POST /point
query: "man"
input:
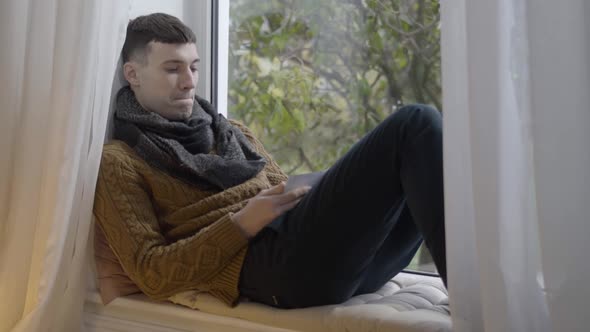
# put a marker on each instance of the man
(188, 200)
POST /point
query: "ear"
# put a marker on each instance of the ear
(131, 74)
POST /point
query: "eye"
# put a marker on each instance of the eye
(171, 70)
(194, 70)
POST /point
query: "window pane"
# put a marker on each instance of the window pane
(310, 78)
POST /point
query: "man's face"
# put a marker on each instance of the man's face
(165, 81)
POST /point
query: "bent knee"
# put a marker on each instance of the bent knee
(415, 112)
(415, 118)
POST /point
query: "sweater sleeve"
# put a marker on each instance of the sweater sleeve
(273, 171)
(125, 213)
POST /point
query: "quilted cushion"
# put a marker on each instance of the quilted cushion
(407, 303)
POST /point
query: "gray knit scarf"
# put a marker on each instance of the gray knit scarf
(181, 148)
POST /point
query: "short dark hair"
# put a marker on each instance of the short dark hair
(158, 27)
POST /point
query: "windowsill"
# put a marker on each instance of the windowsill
(422, 273)
(137, 313)
(411, 299)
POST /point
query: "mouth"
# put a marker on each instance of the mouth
(183, 100)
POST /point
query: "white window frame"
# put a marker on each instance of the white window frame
(198, 15)
(209, 20)
(222, 56)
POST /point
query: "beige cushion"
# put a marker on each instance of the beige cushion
(112, 279)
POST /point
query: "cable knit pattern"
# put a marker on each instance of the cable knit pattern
(168, 235)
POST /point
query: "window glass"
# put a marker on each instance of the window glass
(311, 77)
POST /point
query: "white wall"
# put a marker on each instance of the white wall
(143, 7)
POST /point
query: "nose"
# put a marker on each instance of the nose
(187, 80)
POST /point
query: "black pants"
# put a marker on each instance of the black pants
(361, 224)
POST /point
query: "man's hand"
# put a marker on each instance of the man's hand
(266, 206)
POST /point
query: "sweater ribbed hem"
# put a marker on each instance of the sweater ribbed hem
(227, 235)
(225, 285)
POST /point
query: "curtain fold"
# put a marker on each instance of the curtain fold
(58, 60)
(517, 127)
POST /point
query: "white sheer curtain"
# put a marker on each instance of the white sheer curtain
(516, 78)
(57, 59)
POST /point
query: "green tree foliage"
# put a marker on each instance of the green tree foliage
(311, 77)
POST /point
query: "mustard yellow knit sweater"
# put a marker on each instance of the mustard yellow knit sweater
(170, 236)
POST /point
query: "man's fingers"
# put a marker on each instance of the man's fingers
(292, 195)
(286, 207)
(278, 189)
